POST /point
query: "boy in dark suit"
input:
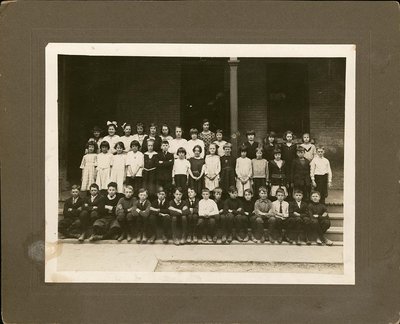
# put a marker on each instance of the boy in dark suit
(107, 226)
(300, 175)
(319, 221)
(72, 208)
(164, 169)
(141, 213)
(159, 208)
(298, 209)
(193, 215)
(92, 209)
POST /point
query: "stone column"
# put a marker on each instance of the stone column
(233, 65)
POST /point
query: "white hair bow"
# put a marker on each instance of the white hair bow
(123, 125)
(112, 123)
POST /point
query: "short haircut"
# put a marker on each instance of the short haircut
(205, 190)
(129, 187)
(193, 131)
(121, 144)
(165, 142)
(320, 147)
(315, 192)
(279, 190)
(217, 189)
(153, 125)
(205, 120)
(179, 189)
(213, 144)
(249, 191)
(113, 185)
(232, 189)
(160, 189)
(139, 124)
(198, 147)
(94, 185)
(181, 150)
(180, 127)
(165, 125)
(105, 144)
(219, 131)
(135, 143)
(251, 132)
(297, 191)
(142, 190)
(285, 134)
(92, 143)
(228, 145)
(243, 149)
(75, 187)
(262, 188)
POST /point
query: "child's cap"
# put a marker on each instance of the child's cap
(251, 132)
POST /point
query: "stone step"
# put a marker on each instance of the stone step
(335, 234)
(336, 219)
(337, 208)
(159, 242)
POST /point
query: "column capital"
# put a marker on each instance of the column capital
(233, 61)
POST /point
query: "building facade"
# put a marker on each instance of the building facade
(236, 94)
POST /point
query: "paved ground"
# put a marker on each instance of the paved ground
(189, 258)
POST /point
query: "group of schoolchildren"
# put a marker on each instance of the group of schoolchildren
(135, 182)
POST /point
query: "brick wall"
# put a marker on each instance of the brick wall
(151, 93)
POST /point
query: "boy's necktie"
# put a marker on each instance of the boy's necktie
(280, 207)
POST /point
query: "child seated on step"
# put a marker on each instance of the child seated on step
(178, 210)
(107, 227)
(193, 215)
(279, 221)
(243, 220)
(141, 213)
(124, 214)
(319, 219)
(220, 218)
(262, 213)
(208, 210)
(159, 209)
(232, 210)
(298, 210)
(72, 208)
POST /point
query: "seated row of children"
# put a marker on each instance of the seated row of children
(109, 217)
(165, 168)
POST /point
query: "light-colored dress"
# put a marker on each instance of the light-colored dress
(175, 144)
(104, 163)
(88, 166)
(309, 151)
(220, 145)
(212, 168)
(112, 140)
(139, 138)
(243, 170)
(127, 142)
(118, 173)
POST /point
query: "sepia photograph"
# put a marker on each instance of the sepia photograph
(200, 163)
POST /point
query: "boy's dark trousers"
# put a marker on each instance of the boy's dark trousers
(175, 216)
(69, 223)
(322, 186)
(206, 225)
(107, 226)
(319, 225)
(257, 225)
(228, 221)
(276, 225)
(146, 224)
(220, 224)
(294, 225)
(241, 224)
(87, 218)
(166, 222)
(126, 222)
(192, 223)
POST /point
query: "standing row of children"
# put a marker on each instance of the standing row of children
(150, 161)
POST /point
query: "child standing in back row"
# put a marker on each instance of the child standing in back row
(127, 138)
(309, 149)
(212, 168)
(244, 172)
(220, 142)
(260, 170)
(228, 164)
(88, 166)
(112, 138)
(321, 173)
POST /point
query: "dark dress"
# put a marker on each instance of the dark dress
(150, 173)
(227, 173)
(251, 149)
(195, 166)
(268, 151)
(288, 155)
